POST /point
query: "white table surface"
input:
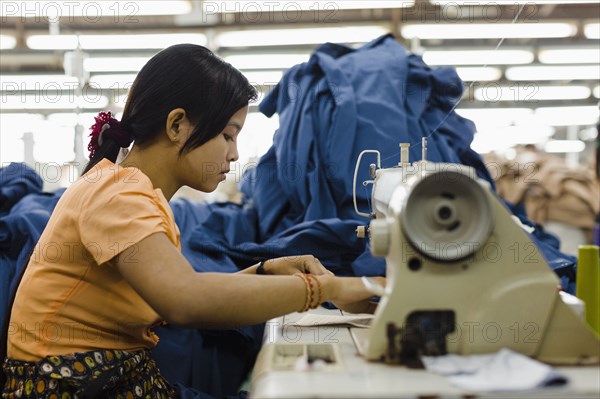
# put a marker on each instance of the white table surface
(354, 377)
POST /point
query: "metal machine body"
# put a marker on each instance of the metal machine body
(462, 275)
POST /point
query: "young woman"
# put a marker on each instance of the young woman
(108, 266)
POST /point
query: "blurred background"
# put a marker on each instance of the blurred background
(531, 68)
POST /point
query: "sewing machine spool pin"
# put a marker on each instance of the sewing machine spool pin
(404, 155)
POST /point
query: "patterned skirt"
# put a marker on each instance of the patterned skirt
(96, 374)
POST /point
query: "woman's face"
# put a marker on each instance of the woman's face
(204, 167)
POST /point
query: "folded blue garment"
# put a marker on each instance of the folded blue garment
(16, 181)
(24, 212)
(339, 103)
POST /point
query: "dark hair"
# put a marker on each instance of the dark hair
(184, 76)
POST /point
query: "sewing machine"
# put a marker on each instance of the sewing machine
(463, 277)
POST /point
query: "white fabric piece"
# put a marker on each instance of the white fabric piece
(528, 229)
(505, 370)
(360, 320)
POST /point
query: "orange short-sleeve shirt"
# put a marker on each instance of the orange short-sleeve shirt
(72, 297)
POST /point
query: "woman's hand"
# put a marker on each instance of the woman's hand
(350, 294)
(294, 264)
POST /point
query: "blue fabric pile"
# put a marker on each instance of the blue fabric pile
(339, 103)
(24, 212)
(298, 200)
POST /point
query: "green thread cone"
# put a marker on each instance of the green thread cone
(588, 283)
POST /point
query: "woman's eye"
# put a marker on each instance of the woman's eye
(227, 137)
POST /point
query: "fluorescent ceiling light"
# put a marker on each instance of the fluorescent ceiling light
(71, 119)
(19, 118)
(572, 55)
(121, 11)
(588, 134)
(479, 74)
(488, 31)
(114, 64)
(568, 116)
(116, 81)
(54, 42)
(496, 117)
(596, 91)
(565, 72)
(266, 61)
(289, 7)
(498, 139)
(530, 92)
(109, 42)
(14, 83)
(274, 37)
(477, 57)
(52, 101)
(592, 31)
(7, 42)
(510, 2)
(263, 77)
(564, 146)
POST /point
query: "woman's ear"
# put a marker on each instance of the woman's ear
(177, 125)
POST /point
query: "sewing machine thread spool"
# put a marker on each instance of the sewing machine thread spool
(588, 284)
(404, 155)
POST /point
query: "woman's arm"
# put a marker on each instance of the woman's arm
(164, 278)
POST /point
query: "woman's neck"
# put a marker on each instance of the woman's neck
(152, 162)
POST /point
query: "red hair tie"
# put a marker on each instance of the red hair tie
(107, 127)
